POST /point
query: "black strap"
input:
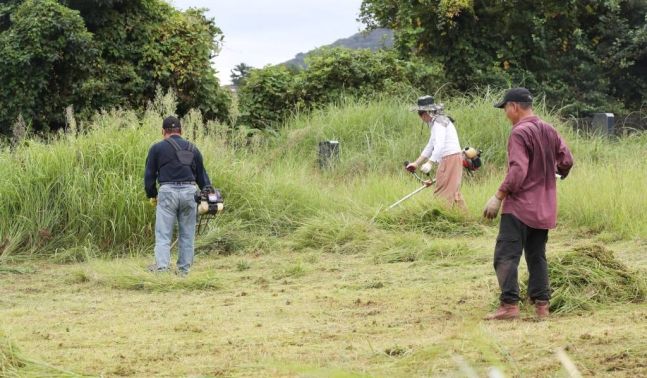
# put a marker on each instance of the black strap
(179, 151)
(177, 146)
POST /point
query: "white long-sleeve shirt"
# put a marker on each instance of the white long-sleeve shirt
(443, 140)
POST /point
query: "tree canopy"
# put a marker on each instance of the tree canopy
(588, 54)
(96, 54)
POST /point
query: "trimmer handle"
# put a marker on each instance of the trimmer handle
(406, 164)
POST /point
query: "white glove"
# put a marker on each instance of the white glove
(492, 207)
(426, 168)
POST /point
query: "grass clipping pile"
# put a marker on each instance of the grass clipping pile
(10, 359)
(591, 275)
(14, 364)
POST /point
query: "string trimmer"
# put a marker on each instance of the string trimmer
(425, 184)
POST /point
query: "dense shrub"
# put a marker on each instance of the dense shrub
(272, 93)
(268, 96)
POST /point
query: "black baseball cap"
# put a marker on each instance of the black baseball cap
(515, 95)
(171, 122)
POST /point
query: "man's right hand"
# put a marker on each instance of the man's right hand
(411, 167)
(492, 207)
(153, 201)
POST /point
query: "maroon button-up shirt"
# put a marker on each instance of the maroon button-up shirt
(536, 152)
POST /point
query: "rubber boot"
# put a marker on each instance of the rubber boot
(542, 309)
(507, 311)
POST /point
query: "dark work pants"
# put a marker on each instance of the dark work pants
(515, 237)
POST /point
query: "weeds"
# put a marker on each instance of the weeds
(243, 265)
(78, 196)
(295, 270)
(16, 270)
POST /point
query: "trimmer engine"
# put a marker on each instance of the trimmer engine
(210, 203)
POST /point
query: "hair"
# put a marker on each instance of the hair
(524, 105)
(172, 130)
(421, 112)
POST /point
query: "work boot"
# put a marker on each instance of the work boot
(542, 309)
(507, 311)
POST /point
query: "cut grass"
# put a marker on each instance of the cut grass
(590, 276)
(13, 363)
(587, 277)
(16, 270)
(431, 218)
(123, 275)
(307, 313)
(10, 358)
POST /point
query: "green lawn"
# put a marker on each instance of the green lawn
(306, 314)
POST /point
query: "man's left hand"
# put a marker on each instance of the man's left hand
(492, 207)
(153, 201)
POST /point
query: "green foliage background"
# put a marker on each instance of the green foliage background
(584, 55)
(272, 93)
(102, 54)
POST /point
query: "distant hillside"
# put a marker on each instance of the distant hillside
(374, 39)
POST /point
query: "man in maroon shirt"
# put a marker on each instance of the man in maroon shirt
(536, 152)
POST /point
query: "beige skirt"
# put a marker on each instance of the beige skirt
(448, 180)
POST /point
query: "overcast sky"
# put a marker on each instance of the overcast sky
(261, 32)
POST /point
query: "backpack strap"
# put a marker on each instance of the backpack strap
(174, 144)
(177, 146)
(178, 151)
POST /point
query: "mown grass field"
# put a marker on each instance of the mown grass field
(306, 273)
(307, 314)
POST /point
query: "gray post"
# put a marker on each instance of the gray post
(328, 153)
(603, 123)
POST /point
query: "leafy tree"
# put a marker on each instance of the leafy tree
(97, 54)
(45, 56)
(268, 96)
(186, 45)
(240, 72)
(584, 52)
(146, 44)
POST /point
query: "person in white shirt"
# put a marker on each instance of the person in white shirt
(444, 149)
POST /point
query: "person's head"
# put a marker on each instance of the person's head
(171, 125)
(425, 107)
(517, 104)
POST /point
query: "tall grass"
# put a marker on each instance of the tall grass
(86, 191)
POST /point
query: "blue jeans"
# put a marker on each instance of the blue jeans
(175, 203)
